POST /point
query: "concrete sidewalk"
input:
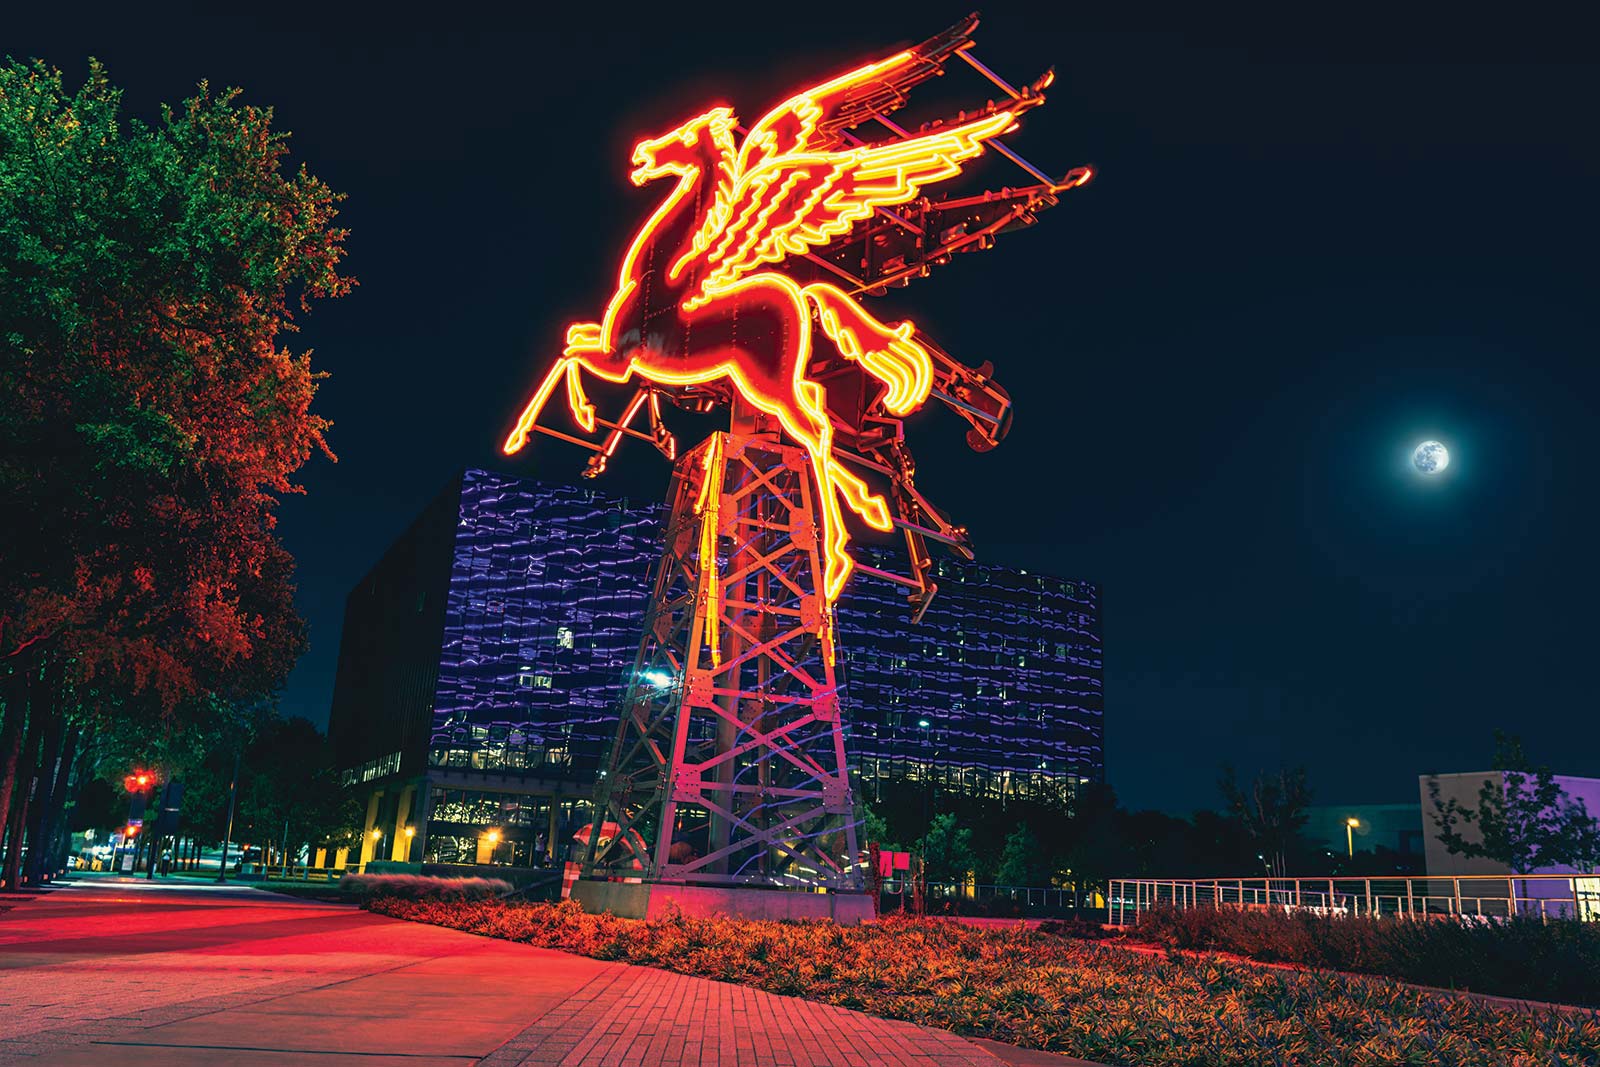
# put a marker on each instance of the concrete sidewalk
(178, 975)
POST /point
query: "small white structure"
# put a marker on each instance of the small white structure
(1464, 788)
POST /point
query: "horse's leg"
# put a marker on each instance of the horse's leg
(582, 410)
(586, 344)
(530, 414)
(836, 561)
(861, 499)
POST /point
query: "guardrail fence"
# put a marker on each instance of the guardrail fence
(1542, 896)
(1026, 896)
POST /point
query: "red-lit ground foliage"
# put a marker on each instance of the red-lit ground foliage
(1042, 991)
(1525, 958)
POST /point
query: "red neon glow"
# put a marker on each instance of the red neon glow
(699, 267)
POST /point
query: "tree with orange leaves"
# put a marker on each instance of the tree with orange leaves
(152, 414)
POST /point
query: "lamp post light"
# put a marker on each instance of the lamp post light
(1350, 825)
(411, 833)
(227, 839)
(927, 769)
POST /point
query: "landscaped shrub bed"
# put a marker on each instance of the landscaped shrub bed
(1556, 961)
(1047, 992)
(422, 887)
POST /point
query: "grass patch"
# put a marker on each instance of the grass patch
(1525, 958)
(1047, 992)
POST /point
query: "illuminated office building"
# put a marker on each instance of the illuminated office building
(483, 659)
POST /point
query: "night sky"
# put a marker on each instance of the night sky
(1308, 249)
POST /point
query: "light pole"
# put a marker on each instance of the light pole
(927, 769)
(233, 795)
(1350, 825)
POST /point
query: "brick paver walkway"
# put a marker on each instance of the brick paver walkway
(635, 1015)
(133, 975)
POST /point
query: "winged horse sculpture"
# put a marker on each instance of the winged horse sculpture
(703, 297)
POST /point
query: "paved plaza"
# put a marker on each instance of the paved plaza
(131, 973)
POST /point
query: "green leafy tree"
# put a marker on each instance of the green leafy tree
(289, 791)
(946, 850)
(152, 416)
(1095, 848)
(1022, 860)
(1523, 819)
(874, 828)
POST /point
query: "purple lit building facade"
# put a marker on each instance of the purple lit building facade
(483, 659)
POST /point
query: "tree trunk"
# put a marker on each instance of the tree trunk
(40, 821)
(15, 695)
(27, 764)
(47, 862)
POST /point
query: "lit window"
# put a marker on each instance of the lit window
(564, 637)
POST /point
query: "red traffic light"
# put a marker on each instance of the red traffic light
(139, 781)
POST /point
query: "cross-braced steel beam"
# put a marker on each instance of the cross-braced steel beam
(728, 767)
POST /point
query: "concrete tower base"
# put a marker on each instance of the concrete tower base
(639, 900)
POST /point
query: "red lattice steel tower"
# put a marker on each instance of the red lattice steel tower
(743, 291)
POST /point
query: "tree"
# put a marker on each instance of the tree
(946, 850)
(1022, 860)
(152, 417)
(873, 828)
(1524, 819)
(289, 792)
(1272, 812)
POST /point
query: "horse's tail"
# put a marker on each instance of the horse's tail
(889, 354)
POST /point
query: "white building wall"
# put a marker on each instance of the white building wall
(1464, 788)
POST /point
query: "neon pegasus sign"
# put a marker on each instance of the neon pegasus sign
(707, 295)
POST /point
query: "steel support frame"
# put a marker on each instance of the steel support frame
(728, 768)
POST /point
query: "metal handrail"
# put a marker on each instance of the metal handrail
(1060, 896)
(1545, 896)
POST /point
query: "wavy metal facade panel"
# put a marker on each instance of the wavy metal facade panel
(547, 588)
(546, 593)
(1005, 669)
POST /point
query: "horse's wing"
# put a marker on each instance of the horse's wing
(815, 120)
(805, 200)
(812, 120)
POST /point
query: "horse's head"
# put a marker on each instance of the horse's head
(703, 140)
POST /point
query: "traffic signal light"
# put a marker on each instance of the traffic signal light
(139, 781)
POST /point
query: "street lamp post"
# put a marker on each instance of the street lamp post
(493, 837)
(927, 769)
(233, 795)
(1350, 825)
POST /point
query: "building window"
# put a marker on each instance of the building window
(563, 637)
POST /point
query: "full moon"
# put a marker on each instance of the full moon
(1430, 457)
